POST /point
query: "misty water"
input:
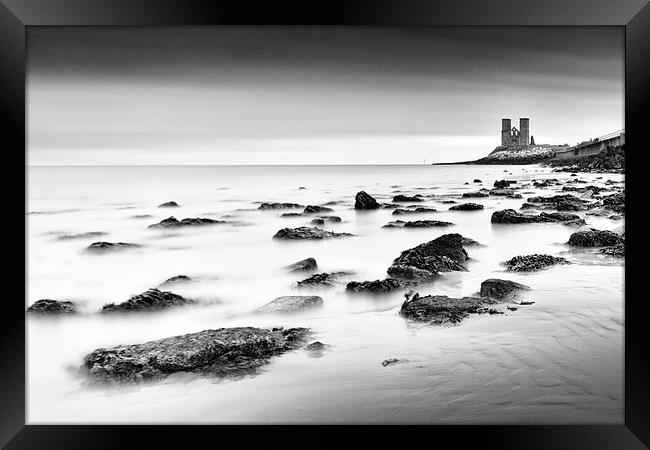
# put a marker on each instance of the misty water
(559, 360)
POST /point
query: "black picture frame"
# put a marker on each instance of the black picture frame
(17, 15)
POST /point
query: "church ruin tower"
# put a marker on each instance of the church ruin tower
(505, 131)
(524, 131)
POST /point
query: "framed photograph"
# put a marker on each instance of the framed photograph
(383, 219)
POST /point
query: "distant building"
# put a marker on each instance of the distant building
(513, 137)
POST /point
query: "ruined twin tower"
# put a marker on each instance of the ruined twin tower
(513, 137)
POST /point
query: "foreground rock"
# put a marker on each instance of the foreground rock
(374, 287)
(223, 352)
(595, 238)
(500, 289)
(100, 247)
(417, 224)
(169, 205)
(512, 216)
(440, 309)
(528, 263)
(364, 200)
(172, 222)
(291, 303)
(466, 207)
(303, 265)
(425, 261)
(269, 206)
(47, 306)
(151, 300)
(307, 233)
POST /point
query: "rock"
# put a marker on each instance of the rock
(419, 210)
(303, 265)
(512, 216)
(47, 306)
(528, 263)
(172, 222)
(465, 241)
(291, 215)
(291, 303)
(178, 279)
(311, 209)
(476, 180)
(474, 194)
(268, 206)
(405, 198)
(321, 279)
(316, 346)
(595, 238)
(563, 217)
(374, 287)
(500, 289)
(617, 250)
(417, 224)
(307, 233)
(223, 352)
(325, 219)
(503, 184)
(89, 234)
(504, 193)
(425, 261)
(169, 205)
(364, 200)
(109, 246)
(151, 300)
(391, 361)
(466, 207)
(525, 303)
(440, 309)
(615, 202)
(511, 308)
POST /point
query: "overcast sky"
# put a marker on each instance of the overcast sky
(313, 95)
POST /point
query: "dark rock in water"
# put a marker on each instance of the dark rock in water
(505, 193)
(307, 233)
(267, 206)
(440, 309)
(374, 287)
(466, 207)
(419, 210)
(326, 219)
(474, 194)
(512, 216)
(178, 279)
(405, 198)
(321, 279)
(476, 180)
(302, 266)
(169, 205)
(291, 303)
(391, 361)
(291, 215)
(172, 222)
(595, 238)
(364, 200)
(108, 246)
(503, 184)
(224, 352)
(525, 303)
(89, 234)
(448, 201)
(615, 202)
(311, 209)
(151, 300)
(465, 241)
(500, 289)
(47, 306)
(528, 263)
(417, 224)
(443, 254)
(617, 250)
(142, 216)
(316, 346)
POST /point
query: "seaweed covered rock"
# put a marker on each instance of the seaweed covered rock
(325, 219)
(321, 279)
(374, 287)
(173, 222)
(363, 200)
(425, 261)
(466, 207)
(47, 306)
(311, 209)
(417, 224)
(440, 309)
(307, 233)
(617, 251)
(291, 304)
(595, 238)
(500, 289)
(224, 352)
(151, 300)
(406, 198)
(302, 266)
(512, 216)
(528, 263)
